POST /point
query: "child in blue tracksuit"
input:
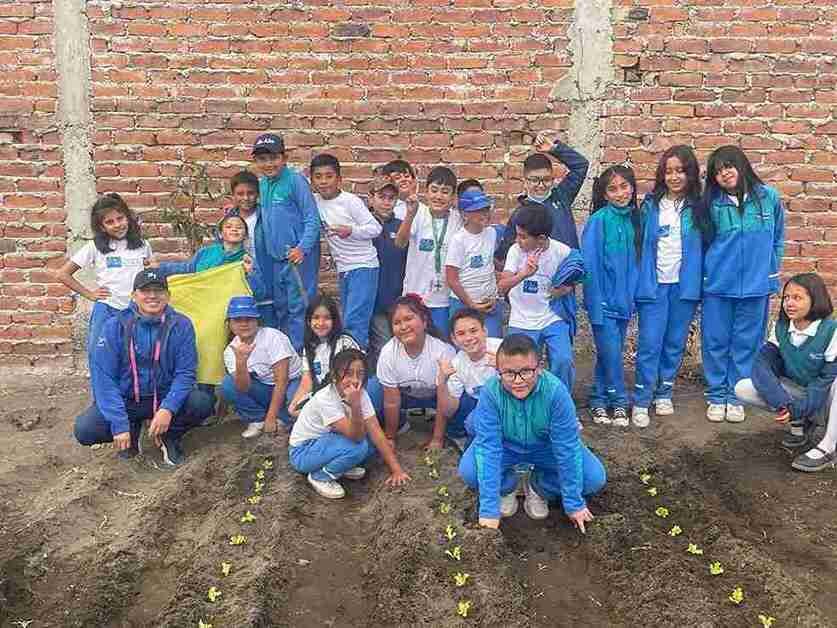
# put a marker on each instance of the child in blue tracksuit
(669, 280)
(143, 368)
(526, 417)
(611, 247)
(287, 238)
(743, 226)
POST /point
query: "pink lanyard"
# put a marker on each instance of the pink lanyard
(132, 357)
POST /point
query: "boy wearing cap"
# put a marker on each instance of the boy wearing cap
(383, 194)
(143, 368)
(350, 229)
(469, 265)
(263, 369)
(287, 237)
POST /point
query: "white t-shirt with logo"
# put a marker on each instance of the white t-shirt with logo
(356, 251)
(271, 346)
(530, 298)
(323, 410)
(421, 277)
(669, 242)
(115, 270)
(471, 376)
(413, 376)
(473, 255)
(322, 357)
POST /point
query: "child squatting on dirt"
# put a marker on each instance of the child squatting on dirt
(527, 418)
(337, 430)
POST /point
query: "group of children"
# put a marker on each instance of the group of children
(417, 269)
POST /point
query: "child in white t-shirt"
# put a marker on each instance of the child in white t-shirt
(338, 430)
(427, 232)
(527, 277)
(262, 369)
(116, 253)
(324, 339)
(469, 266)
(350, 229)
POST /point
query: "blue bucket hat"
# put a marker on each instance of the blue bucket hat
(242, 307)
(473, 201)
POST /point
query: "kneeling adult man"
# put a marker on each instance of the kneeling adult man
(143, 368)
(526, 417)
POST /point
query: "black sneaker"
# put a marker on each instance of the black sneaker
(600, 416)
(172, 451)
(136, 448)
(795, 441)
(805, 463)
(620, 417)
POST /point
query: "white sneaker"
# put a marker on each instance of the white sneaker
(663, 407)
(600, 416)
(253, 430)
(716, 412)
(355, 473)
(640, 417)
(534, 505)
(508, 504)
(735, 414)
(327, 488)
(460, 442)
(620, 417)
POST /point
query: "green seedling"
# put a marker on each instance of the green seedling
(652, 491)
(461, 579)
(443, 491)
(213, 594)
(428, 461)
(661, 512)
(225, 568)
(463, 608)
(268, 463)
(444, 508)
(455, 554)
(203, 624)
(248, 517)
(450, 533)
(254, 499)
(737, 596)
(260, 474)
(645, 478)
(766, 620)
(434, 474)
(676, 530)
(258, 486)
(694, 549)
(238, 539)
(716, 568)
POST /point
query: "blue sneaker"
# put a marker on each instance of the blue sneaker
(172, 451)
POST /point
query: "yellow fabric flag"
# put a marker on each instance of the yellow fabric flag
(203, 297)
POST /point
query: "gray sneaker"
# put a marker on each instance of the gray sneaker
(808, 464)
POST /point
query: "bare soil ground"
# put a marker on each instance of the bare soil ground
(89, 541)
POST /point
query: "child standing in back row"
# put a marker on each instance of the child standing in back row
(350, 229)
(244, 187)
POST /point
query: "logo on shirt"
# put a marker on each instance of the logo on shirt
(476, 261)
(114, 261)
(665, 231)
(425, 244)
(101, 341)
(318, 369)
(530, 286)
(817, 356)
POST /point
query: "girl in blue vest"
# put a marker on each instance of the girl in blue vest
(669, 280)
(611, 245)
(742, 221)
(795, 371)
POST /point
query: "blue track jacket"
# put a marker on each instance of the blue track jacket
(111, 372)
(288, 215)
(569, 272)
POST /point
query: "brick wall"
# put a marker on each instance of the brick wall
(467, 82)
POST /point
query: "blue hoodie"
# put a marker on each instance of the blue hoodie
(110, 374)
(743, 259)
(288, 215)
(545, 420)
(610, 264)
(691, 267)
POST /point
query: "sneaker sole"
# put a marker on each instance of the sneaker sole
(663, 412)
(735, 420)
(642, 424)
(621, 422)
(355, 476)
(806, 469)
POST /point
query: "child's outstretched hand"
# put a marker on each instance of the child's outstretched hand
(542, 143)
(398, 478)
(247, 261)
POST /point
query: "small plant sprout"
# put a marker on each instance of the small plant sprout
(652, 491)
(248, 517)
(645, 478)
(443, 491)
(238, 539)
(455, 554)
(676, 530)
(258, 486)
(226, 568)
(260, 474)
(434, 474)
(268, 463)
(203, 624)
(766, 620)
(450, 533)
(737, 595)
(661, 512)
(694, 549)
(461, 579)
(463, 607)
(254, 499)
(716, 568)
(444, 508)
(428, 460)
(213, 594)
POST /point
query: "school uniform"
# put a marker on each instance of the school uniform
(426, 253)
(321, 360)
(540, 431)
(356, 259)
(469, 377)
(473, 256)
(270, 346)
(288, 218)
(531, 311)
(668, 293)
(610, 261)
(393, 263)
(740, 272)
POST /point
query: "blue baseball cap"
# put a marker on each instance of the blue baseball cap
(243, 307)
(268, 143)
(474, 201)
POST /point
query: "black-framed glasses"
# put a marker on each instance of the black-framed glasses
(511, 376)
(539, 180)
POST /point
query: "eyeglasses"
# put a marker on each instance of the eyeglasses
(539, 180)
(525, 375)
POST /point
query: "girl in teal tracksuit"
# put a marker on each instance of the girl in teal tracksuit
(611, 245)
(743, 225)
(669, 280)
